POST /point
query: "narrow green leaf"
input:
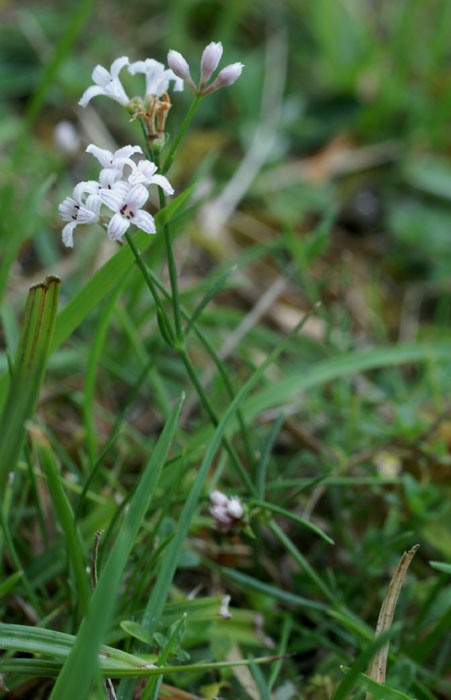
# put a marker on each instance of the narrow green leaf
(80, 667)
(290, 386)
(28, 370)
(441, 566)
(255, 584)
(363, 660)
(210, 294)
(65, 514)
(291, 516)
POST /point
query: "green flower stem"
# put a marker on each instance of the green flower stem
(180, 347)
(179, 333)
(142, 266)
(205, 401)
(183, 128)
(214, 356)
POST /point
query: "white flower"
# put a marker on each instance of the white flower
(157, 76)
(107, 83)
(113, 163)
(226, 511)
(80, 209)
(211, 56)
(126, 201)
(144, 174)
(209, 61)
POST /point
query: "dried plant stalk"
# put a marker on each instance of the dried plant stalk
(378, 666)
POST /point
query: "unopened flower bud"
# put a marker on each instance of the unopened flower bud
(209, 61)
(218, 498)
(180, 67)
(227, 76)
(234, 508)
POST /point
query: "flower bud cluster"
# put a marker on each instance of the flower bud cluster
(122, 188)
(209, 62)
(226, 511)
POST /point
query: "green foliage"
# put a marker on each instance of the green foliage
(320, 176)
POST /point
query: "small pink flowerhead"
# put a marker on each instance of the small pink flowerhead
(234, 508)
(209, 61)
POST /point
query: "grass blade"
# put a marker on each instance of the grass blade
(81, 665)
(28, 370)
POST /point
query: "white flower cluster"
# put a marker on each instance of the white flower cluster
(122, 188)
(108, 83)
(226, 511)
(158, 77)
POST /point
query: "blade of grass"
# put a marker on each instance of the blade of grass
(28, 371)
(80, 667)
(264, 505)
(65, 514)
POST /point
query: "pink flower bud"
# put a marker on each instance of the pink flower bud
(209, 61)
(218, 498)
(180, 67)
(227, 76)
(234, 508)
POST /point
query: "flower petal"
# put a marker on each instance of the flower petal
(163, 182)
(137, 67)
(111, 199)
(117, 65)
(104, 156)
(68, 238)
(143, 172)
(126, 152)
(144, 221)
(88, 94)
(67, 209)
(117, 227)
(136, 197)
(108, 176)
(93, 203)
(101, 76)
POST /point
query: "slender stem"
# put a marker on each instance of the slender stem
(205, 401)
(214, 356)
(179, 332)
(178, 138)
(142, 266)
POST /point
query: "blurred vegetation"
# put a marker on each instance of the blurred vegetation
(333, 150)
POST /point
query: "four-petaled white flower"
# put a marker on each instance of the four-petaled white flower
(82, 208)
(126, 201)
(144, 174)
(107, 83)
(209, 62)
(157, 76)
